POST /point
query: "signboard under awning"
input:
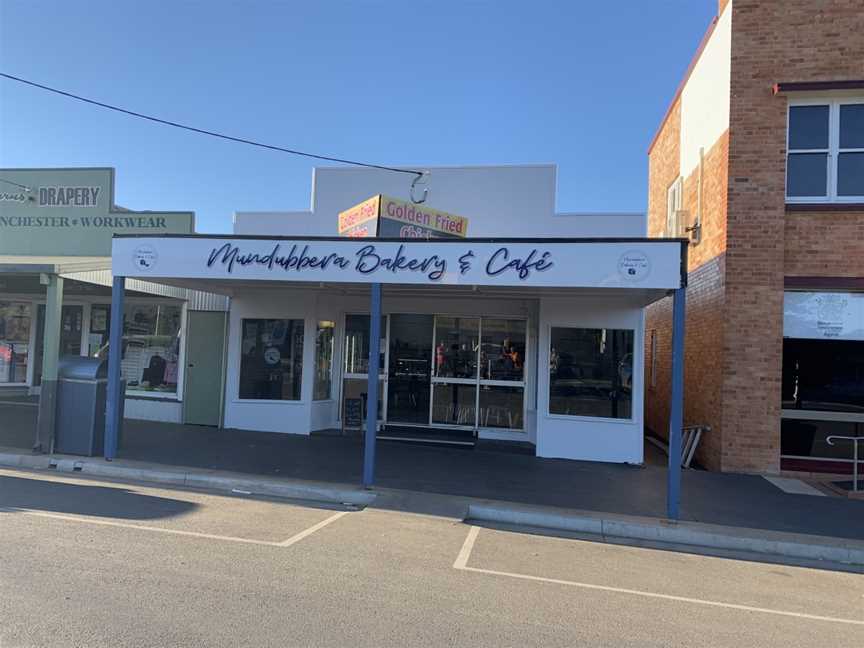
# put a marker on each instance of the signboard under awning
(612, 263)
(387, 217)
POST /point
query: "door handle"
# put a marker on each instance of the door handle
(190, 365)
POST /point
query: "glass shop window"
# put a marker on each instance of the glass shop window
(502, 349)
(271, 362)
(357, 344)
(151, 347)
(825, 375)
(14, 342)
(457, 341)
(323, 360)
(591, 372)
(151, 344)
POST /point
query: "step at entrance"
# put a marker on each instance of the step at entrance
(428, 435)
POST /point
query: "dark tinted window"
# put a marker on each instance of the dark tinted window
(807, 174)
(808, 127)
(852, 126)
(591, 372)
(823, 375)
(850, 174)
(271, 360)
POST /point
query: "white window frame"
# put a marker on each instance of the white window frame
(833, 151)
(674, 202)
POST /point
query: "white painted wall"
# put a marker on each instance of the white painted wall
(706, 95)
(269, 416)
(153, 409)
(589, 438)
(505, 201)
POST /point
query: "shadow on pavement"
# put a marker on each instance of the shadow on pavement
(97, 501)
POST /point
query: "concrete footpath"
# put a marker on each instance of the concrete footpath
(613, 527)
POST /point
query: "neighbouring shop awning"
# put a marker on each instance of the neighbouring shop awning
(19, 264)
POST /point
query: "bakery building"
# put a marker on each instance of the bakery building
(487, 314)
(56, 227)
(759, 161)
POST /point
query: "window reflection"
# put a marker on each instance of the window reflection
(823, 375)
(323, 360)
(14, 342)
(591, 372)
(501, 407)
(456, 346)
(502, 353)
(357, 344)
(271, 364)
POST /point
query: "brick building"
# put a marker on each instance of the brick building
(760, 160)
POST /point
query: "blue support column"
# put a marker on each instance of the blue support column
(676, 412)
(372, 388)
(113, 407)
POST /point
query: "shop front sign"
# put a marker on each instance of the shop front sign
(823, 315)
(70, 212)
(517, 262)
(385, 217)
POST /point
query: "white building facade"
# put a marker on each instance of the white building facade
(529, 331)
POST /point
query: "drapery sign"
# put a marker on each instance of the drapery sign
(646, 264)
(823, 315)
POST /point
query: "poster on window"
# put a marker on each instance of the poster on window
(823, 315)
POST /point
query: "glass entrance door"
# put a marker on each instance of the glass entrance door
(409, 364)
(454, 382)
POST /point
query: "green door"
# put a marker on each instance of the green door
(205, 344)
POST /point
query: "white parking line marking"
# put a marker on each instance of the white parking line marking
(192, 534)
(467, 548)
(465, 553)
(316, 527)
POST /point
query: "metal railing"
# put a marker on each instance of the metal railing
(854, 441)
(690, 437)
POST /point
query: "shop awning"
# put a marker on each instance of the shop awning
(650, 267)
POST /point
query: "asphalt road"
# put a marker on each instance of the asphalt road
(99, 563)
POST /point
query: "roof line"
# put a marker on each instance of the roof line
(445, 241)
(702, 44)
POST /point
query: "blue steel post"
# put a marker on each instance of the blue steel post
(676, 413)
(372, 388)
(115, 348)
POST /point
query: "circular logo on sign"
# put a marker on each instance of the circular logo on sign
(144, 257)
(272, 356)
(634, 265)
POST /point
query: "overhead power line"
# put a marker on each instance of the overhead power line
(17, 184)
(202, 131)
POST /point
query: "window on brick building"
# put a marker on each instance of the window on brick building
(674, 201)
(825, 151)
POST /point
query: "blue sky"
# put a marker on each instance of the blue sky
(579, 83)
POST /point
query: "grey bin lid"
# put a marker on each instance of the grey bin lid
(78, 368)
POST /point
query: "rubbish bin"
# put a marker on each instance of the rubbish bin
(82, 390)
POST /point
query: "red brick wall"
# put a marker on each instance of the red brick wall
(824, 244)
(794, 40)
(703, 343)
(664, 162)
